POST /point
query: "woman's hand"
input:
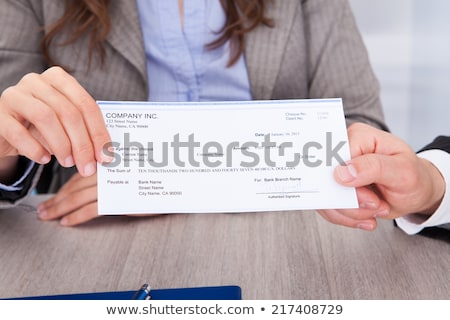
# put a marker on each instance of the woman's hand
(75, 202)
(51, 114)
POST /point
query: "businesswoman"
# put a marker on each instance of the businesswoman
(58, 57)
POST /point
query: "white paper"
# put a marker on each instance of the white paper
(223, 157)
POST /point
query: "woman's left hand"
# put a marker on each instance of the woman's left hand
(75, 202)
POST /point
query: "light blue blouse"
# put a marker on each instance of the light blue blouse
(179, 67)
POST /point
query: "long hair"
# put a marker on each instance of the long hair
(92, 17)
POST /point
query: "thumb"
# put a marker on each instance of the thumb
(368, 169)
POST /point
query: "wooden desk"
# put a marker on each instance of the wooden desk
(276, 255)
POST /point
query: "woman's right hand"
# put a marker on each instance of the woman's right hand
(52, 114)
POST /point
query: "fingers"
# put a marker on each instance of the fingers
(370, 205)
(84, 214)
(336, 217)
(79, 208)
(75, 203)
(43, 117)
(20, 141)
(75, 184)
(52, 114)
(370, 208)
(85, 104)
(364, 139)
(376, 168)
(378, 157)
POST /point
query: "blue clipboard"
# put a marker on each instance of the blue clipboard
(195, 293)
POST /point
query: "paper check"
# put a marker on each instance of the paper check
(223, 157)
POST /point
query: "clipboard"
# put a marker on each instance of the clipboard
(194, 293)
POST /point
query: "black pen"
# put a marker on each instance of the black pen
(142, 293)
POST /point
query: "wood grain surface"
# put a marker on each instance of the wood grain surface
(273, 255)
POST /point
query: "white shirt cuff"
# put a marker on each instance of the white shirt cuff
(414, 223)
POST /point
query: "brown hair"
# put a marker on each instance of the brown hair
(242, 16)
(92, 16)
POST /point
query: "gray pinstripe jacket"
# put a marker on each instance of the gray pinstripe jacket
(314, 51)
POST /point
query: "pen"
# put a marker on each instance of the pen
(142, 293)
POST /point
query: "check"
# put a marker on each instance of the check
(223, 157)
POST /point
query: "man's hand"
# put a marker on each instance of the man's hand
(391, 180)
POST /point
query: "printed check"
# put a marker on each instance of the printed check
(223, 157)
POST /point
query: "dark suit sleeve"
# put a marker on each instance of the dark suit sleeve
(26, 185)
(440, 143)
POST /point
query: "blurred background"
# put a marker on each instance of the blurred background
(409, 48)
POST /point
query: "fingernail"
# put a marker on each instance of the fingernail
(107, 159)
(107, 154)
(45, 159)
(382, 213)
(90, 169)
(42, 213)
(368, 205)
(346, 173)
(69, 162)
(366, 226)
(64, 221)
